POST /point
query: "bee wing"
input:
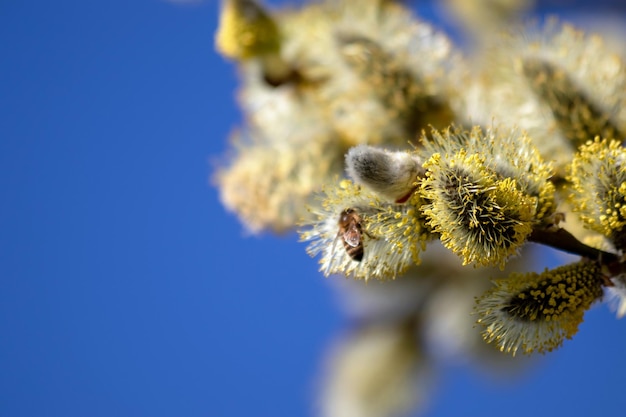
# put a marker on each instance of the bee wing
(352, 237)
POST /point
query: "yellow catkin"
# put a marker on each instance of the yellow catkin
(246, 30)
(392, 235)
(597, 181)
(537, 312)
(481, 218)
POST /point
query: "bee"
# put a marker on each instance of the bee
(351, 233)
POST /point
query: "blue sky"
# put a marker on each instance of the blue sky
(125, 287)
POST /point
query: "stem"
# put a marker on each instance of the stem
(610, 263)
(563, 240)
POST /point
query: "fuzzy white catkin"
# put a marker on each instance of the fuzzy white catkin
(391, 175)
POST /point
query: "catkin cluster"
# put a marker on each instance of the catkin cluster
(408, 163)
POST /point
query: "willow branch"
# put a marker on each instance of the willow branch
(563, 240)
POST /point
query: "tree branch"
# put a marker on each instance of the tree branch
(563, 240)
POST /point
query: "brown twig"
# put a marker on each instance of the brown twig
(563, 240)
